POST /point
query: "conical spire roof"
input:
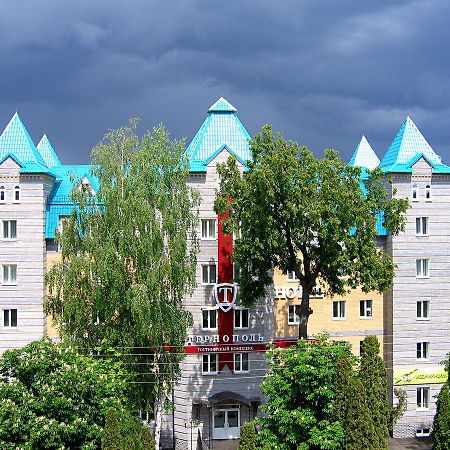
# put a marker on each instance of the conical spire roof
(15, 140)
(364, 156)
(408, 144)
(47, 152)
(221, 128)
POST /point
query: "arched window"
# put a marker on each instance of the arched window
(2, 193)
(414, 193)
(428, 192)
(16, 194)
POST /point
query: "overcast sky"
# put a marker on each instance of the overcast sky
(322, 72)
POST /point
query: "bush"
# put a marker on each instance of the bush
(248, 437)
(148, 443)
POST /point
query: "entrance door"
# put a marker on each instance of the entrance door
(226, 423)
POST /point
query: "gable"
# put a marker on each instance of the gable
(9, 166)
(221, 155)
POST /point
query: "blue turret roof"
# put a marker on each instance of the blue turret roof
(47, 152)
(221, 129)
(16, 141)
(364, 156)
(407, 147)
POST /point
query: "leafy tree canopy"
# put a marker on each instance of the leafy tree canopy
(129, 255)
(52, 397)
(311, 216)
(301, 397)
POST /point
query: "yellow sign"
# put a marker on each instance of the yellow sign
(420, 376)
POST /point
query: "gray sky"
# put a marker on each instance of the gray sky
(322, 72)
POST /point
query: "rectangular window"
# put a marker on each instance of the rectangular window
(365, 309)
(208, 228)
(10, 318)
(422, 226)
(10, 229)
(423, 398)
(422, 268)
(208, 273)
(241, 316)
(422, 432)
(423, 310)
(209, 363)
(9, 274)
(241, 362)
(293, 317)
(423, 350)
(339, 309)
(291, 276)
(209, 319)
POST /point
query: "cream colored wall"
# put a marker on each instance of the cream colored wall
(352, 328)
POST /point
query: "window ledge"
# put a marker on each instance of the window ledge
(339, 318)
(366, 317)
(425, 319)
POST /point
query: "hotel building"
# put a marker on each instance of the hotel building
(225, 364)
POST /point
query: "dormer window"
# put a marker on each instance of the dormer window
(2, 194)
(16, 194)
(414, 194)
(428, 192)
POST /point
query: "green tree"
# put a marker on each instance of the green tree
(128, 258)
(54, 397)
(297, 213)
(373, 375)
(148, 443)
(351, 409)
(441, 423)
(358, 426)
(301, 391)
(112, 439)
(397, 410)
(248, 437)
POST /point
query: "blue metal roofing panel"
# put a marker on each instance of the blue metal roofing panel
(221, 128)
(364, 156)
(408, 143)
(59, 203)
(47, 152)
(15, 139)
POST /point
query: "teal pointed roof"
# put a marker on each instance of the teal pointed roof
(364, 156)
(407, 147)
(47, 152)
(222, 106)
(221, 129)
(16, 140)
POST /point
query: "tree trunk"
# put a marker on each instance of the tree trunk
(158, 419)
(304, 312)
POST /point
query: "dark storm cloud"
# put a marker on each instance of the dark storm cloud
(322, 72)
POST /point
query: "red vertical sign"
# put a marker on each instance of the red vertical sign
(225, 275)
